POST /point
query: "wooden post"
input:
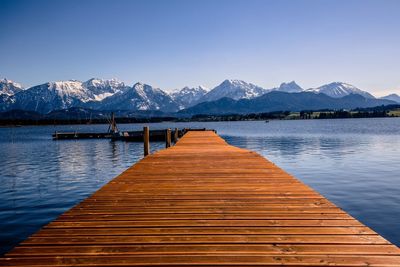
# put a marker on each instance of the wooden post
(176, 135)
(146, 139)
(168, 138)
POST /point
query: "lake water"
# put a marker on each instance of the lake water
(352, 162)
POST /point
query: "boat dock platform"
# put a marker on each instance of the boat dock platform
(203, 202)
(132, 136)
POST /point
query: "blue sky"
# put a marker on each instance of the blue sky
(171, 44)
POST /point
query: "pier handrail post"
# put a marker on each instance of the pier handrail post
(146, 140)
(168, 138)
(176, 135)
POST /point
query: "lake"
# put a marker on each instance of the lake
(352, 162)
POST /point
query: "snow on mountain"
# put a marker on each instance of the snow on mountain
(393, 97)
(114, 95)
(291, 87)
(278, 101)
(68, 90)
(101, 89)
(339, 89)
(61, 95)
(50, 96)
(235, 89)
(187, 97)
(8, 87)
(139, 97)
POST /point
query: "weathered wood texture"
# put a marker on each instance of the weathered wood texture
(204, 203)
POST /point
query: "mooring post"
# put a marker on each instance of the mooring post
(168, 138)
(146, 139)
(176, 135)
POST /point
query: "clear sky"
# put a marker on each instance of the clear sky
(171, 44)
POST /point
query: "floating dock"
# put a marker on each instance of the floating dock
(79, 135)
(203, 202)
(132, 136)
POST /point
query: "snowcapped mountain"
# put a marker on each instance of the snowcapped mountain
(291, 87)
(100, 89)
(339, 89)
(115, 95)
(278, 101)
(235, 89)
(187, 97)
(8, 87)
(50, 96)
(61, 95)
(393, 97)
(139, 97)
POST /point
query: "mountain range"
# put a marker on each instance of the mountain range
(281, 101)
(233, 96)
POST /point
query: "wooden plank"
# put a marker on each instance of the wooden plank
(209, 260)
(204, 203)
(130, 231)
(199, 249)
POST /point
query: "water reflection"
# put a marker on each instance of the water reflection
(41, 178)
(360, 173)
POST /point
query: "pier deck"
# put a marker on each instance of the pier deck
(203, 202)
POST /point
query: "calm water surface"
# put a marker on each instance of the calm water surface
(353, 162)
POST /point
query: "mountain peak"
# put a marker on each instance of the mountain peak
(139, 85)
(201, 87)
(96, 82)
(340, 89)
(343, 84)
(290, 87)
(187, 97)
(234, 82)
(393, 97)
(235, 89)
(290, 83)
(396, 95)
(140, 96)
(145, 90)
(9, 87)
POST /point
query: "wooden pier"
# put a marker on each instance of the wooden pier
(203, 202)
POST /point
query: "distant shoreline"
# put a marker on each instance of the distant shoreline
(310, 115)
(89, 116)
